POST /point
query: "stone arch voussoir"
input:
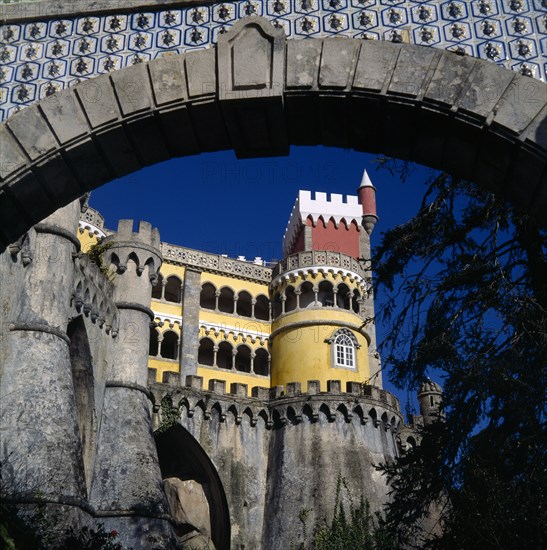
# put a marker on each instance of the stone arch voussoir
(461, 114)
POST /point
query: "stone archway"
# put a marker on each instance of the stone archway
(193, 487)
(460, 114)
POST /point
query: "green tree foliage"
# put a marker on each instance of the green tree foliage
(36, 529)
(39, 530)
(355, 529)
(466, 280)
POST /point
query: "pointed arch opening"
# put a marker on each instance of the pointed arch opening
(157, 289)
(243, 359)
(226, 300)
(81, 363)
(290, 301)
(224, 355)
(307, 296)
(195, 494)
(244, 304)
(262, 362)
(262, 308)
(325, 296)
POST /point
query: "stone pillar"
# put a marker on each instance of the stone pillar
(308, 237)
(127, 490)
(189, 333)
(41, 453)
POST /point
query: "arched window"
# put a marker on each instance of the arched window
(157, 288)
(261, 361)
(244, 305)
(307, 297)
(153, 346)
(410, 443)
(170, 345)
(206, 354)
(277, 306)
(173, 290)
(207, 298)
(290, 303)
(344, 347)
(224, 355)
(243, 359)
(325, 295)
(226, 300)
(342, 296)
(262, 308)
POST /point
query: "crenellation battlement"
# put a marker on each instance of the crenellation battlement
(316, 206)
(279, 405)
(291, 389)
(319, 199)
(146, 234)
(141, 247)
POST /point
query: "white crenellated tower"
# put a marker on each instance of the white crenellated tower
(322, 303)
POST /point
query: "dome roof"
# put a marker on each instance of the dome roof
(430, 386)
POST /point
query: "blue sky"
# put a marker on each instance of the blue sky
(219, 204)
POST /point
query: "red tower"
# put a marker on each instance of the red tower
(334, 223)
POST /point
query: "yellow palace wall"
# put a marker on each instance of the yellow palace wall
(301, 353)
(235, 326)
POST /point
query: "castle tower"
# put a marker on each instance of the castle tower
(41, 454)
(367, 200)
(322, 308)
(127, 489)
(430, 397)
(323, 361)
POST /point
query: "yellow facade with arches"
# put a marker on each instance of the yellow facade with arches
(233, 327)
(242, 321)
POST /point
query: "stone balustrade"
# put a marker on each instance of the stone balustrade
(335, 261)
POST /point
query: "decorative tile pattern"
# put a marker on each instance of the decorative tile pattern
(39, 58)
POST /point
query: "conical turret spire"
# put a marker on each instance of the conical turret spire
(365, 181)
(367, 199)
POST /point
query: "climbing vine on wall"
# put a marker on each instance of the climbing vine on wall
(96, 254)
(169, 414)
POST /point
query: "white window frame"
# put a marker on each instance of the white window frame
(344, 348)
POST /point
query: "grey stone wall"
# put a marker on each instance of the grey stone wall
(41, 452)
(280, 452)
